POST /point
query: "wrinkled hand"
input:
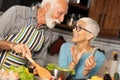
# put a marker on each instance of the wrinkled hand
(21, 48)
(76, 56)
(90, 63)
(33, 69)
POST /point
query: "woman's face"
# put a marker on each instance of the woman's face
(80, 34)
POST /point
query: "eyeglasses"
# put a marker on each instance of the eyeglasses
(78, 28)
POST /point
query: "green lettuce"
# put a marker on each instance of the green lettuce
(23, 72)
(52, 66)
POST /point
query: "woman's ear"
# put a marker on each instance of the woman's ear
(90, 36)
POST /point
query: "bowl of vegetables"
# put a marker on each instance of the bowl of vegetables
(58, 72)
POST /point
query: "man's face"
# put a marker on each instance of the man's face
(56, 13)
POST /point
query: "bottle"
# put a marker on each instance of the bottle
(78, 1)
(114, 55)
(79, 16)
(107, 76)
(88, 3)
(116, 76)
(70, 20)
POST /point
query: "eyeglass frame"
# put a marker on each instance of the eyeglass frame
(76, 27)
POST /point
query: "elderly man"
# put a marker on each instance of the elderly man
(24, 30)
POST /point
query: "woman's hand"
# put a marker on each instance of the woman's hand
(76, 55)
(89, 64)
(21, 48)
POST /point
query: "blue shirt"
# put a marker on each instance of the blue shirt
(65, 58)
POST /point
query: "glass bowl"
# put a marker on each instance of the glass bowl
(58, 74)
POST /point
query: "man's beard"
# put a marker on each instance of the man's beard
(49, 21)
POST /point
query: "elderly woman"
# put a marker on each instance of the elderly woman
(77, 55)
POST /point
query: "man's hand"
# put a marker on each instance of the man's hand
(21, 48)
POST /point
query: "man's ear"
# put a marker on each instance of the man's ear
(47, 6)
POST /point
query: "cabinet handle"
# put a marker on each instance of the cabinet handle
(119, 34)
(99, 19)
(103, 20)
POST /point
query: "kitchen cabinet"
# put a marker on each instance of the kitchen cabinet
(29, 2)
(107, 14)
(76, 9)
(5, 4)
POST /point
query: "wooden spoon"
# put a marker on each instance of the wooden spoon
(42, 72)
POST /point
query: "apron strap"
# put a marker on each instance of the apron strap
(30, 22)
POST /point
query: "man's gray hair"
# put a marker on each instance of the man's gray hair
(50, 1)
(91, 25)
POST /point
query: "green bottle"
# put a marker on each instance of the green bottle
(116, 76)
